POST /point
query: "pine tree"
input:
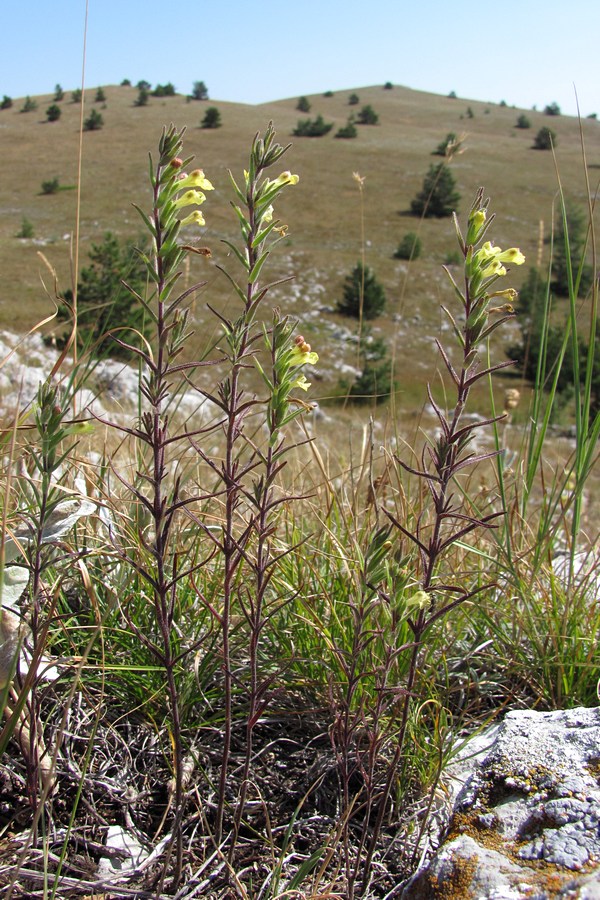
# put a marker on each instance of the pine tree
(438, 197)
(103, 301)
(361, 288)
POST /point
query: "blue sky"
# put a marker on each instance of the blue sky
(531, 52)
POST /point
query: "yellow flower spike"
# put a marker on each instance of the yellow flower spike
(194, 218)
(195, 179)
(189, 199)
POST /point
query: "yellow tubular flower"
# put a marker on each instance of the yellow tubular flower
(299, 357)
(284, 178)
(487, 251)
(287, 178)
(494, 268)
(420, 600)
(301, 382)
(510, 295)
(194, 218)
(513, 256)
(195, 179)
(189, 199)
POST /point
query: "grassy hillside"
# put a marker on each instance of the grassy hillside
(323, 213)
(250, 654)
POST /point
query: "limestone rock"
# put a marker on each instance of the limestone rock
(526, 822)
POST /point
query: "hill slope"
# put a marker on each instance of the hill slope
(323, 211)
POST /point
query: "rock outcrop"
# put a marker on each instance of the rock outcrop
(526, 822)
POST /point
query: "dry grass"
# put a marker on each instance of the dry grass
(323, 213)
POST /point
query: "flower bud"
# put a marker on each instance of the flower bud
(476, 223)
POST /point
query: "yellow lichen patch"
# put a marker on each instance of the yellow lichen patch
(455, 885)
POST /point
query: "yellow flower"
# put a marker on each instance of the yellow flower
(487, 251)
(195, 179)
(194, 218)
(513, 256)
(268, 214)
(494, 268)
(420, 600)
(300, 357)
(301, 382)
(189, 199)
(284, 178)
(510, 295)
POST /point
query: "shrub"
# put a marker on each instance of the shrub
(143, 85)
(199, 91)
(348, 130)
(443, 146)
(53, 113)
(545, 139)
(367, 116)
(470, 113)
(374, 383)
(29, 105)
(164, 90)
(103, 301)
(76, 95)
(541, 344)
(353, 100)
(94, 121)
(452, 95)
(212, 118)
(142, 97)
(362, 293)
(26, 230)
(303, 105)
(523, 122)
(553, 109)
(409, 247)
(100, 96)
(328, 94)
(438, 197)
(6, 102)
(51, 186)
(126, 83)
(312, 127)
(388, 86)
(59, 94)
